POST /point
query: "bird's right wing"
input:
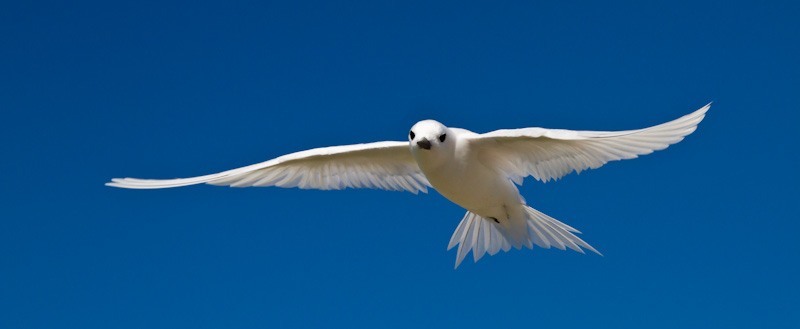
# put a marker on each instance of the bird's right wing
(552, 153)
(380, 165)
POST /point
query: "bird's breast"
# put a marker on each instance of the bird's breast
(470, 184)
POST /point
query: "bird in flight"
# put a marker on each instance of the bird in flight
(475, 171)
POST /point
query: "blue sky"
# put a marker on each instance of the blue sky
(702, 234)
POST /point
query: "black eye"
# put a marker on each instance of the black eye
(411, 134)
(442, 137)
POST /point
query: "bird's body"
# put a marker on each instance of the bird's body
(456, 174)
(476, 171)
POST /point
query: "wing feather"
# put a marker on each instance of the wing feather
(380, 165)
(549, 154)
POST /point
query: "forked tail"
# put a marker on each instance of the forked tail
(482, 235)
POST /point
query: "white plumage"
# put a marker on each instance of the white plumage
(475, 171)
(381, 165)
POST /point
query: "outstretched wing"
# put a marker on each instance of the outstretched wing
(380, 165)
(552, 153)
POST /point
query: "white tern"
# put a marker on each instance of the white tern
(476, 171)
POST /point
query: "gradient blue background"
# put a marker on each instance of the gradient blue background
(703, 234)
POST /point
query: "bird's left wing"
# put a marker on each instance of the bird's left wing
(552, 153)
(380, 165)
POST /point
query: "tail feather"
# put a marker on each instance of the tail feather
(481, 235)
(563, 235)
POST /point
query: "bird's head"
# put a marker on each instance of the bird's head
(427, 135)
(430, 143)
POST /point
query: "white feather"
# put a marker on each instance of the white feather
(381, 165)
(552, 153)
(544, 231)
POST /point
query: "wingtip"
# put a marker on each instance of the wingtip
(115, 182)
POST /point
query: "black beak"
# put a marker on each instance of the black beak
(426, 144)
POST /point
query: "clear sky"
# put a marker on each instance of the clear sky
(703, 234)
